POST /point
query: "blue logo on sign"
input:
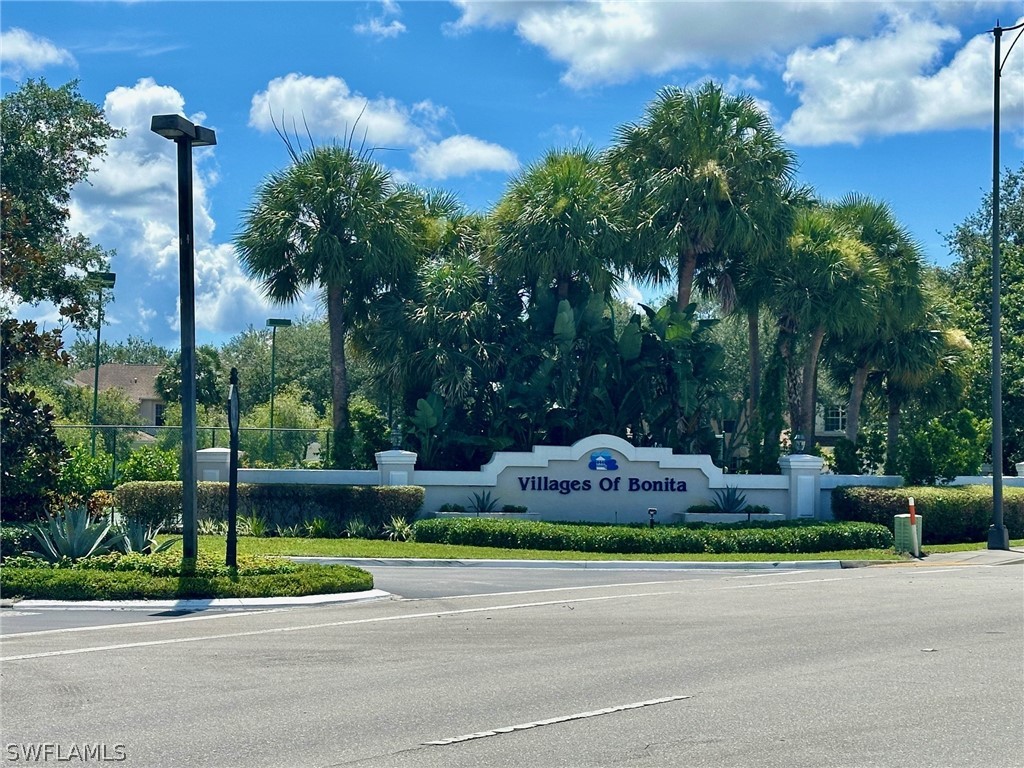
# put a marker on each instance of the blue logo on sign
(602, 461)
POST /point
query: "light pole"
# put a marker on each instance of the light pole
(274, 323)
(186, 135)
(102, 280)
(998, 536)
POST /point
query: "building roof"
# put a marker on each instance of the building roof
(138, 381)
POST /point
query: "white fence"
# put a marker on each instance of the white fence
(600, 479)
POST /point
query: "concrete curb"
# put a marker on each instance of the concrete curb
(594, 565)
(227, 603)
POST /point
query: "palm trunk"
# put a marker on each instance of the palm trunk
(809, 377)
(860, 380)
(892, 433)
(754, 338)
(341, 448)
(687, 268)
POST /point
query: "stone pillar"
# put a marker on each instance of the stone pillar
(212, 465)
(804, 473)
(396, 467)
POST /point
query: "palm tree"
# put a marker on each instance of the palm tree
(826, 285)
(335, 221)
(703, 175)
(559, 225)
(899, 305)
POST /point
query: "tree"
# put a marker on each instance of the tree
(211, 387)
(702, 176)
(335, 221)
(133, 350)
(50, 138)
(898, 306)
(559, 224)
(970, 281)
(826, 284)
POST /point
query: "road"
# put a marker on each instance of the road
(886, 666)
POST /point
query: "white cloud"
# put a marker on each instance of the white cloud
(898, 82)
(612, 41)
(378, 28)
(461, 155)
(21, 52)
(327, 107)
(130, 205)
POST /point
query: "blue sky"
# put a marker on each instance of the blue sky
(893, 100)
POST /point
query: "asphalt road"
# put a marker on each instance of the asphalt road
(886, 666)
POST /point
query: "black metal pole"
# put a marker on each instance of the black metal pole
(96, 372)
(998, 536)
(232, 557)
(186, 273)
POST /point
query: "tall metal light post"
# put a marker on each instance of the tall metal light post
(274, 323)
(101, 280)
(186, 135)
(998, 536)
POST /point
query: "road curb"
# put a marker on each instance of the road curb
(595, 565)
(222, 604)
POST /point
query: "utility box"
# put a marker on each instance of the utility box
(903, 532)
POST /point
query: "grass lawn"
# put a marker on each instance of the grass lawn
(389, 549)
(301, 547)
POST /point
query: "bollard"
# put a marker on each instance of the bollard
(913, 529)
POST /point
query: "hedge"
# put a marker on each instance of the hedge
(706, 538)
(159, 503)
(136, 577)
(952, 515)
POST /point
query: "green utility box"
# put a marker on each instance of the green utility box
(904, 539)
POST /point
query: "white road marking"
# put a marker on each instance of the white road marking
(157, 620)
(545, 590)
(325, 625)
(782, 583)
(552, 721)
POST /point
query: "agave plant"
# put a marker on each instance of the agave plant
(319, 528)
(210, 527)
(290, 531)
(730, 500)
(136, 536)
(358, 528)
(72, 536)
(482, 503)
(399, 529)
(252, 525)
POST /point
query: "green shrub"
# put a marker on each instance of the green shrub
(769, 537)
(951, 515)
(153, 577)
(279, 506)
(83, 473)
(14, 539)
(148, 463)
(943, 448)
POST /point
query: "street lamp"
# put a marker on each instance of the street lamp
(998, 536)
(274, 323)
(186, 135)
(101, 280)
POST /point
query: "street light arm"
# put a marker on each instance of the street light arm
(1010, 29)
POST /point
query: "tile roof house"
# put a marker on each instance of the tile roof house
(137, 381)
